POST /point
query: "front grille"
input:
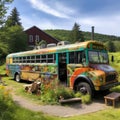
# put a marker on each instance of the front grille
(111, 77)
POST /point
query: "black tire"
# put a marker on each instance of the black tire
(84, 88)
(17, 78)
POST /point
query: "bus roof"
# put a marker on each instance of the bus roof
(62, 48)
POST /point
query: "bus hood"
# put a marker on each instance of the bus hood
(103, 67)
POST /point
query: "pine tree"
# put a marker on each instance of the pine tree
(76, 34)
(13, 19)
(3, 10)
(16, 39)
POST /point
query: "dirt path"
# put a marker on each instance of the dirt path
(61, 111)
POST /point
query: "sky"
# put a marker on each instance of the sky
(104, 15)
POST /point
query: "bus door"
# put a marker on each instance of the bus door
(62, 68)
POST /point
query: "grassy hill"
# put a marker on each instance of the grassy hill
(64, 35)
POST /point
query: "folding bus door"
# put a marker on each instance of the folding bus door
(62, 68)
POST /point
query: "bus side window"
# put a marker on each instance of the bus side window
(83, 58)
(80, 57)
(71, 57)
(76, 57)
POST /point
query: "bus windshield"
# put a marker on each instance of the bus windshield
(98, 57)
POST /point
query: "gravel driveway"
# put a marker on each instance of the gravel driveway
(57, 110)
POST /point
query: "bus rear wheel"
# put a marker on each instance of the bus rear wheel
(17, 78)
(84, 88)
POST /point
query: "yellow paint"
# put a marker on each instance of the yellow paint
(29, 75)
(97, 88)
(10, 60)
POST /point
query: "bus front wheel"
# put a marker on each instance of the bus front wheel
(17, 77)
(84, 88)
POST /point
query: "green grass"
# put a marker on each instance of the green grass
(11, 111)
(109, 114)
(116, 63)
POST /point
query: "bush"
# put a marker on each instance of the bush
(86, 99)
(64, 92)
(78, 94)
(49, 97)
(116, 89)
(52, 92)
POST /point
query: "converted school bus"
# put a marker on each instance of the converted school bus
(82, 66)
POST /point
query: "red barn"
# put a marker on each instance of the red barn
(35, 34)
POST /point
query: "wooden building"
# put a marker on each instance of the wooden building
(34, 34)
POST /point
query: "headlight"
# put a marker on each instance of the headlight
(101, 79)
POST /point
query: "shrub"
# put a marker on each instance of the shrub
(78, 94)
(86, 99)
(64, 92)
(49, 97)
(52, 92)
(116, 89)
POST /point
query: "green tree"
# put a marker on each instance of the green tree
(111, 46)
(3, 10)
(3, 52)
(76, 34)
(16, 39)
(3, 47)
(13, 18)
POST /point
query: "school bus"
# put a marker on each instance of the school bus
(81, 66)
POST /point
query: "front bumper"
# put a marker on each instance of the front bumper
(108, 86)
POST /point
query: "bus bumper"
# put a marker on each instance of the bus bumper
(108, 86)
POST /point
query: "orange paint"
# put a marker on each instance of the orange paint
(77, 72)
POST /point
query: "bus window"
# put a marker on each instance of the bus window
(76, 57)
(24, 59)
(50, 58)
(71, 57)
(28, 59)
(20, 59)
(38, 59)
(32, 59)
(43, 58)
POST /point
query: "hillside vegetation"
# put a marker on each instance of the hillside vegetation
(64, 35)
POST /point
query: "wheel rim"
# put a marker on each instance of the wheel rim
(83, 90)
(17, 78)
